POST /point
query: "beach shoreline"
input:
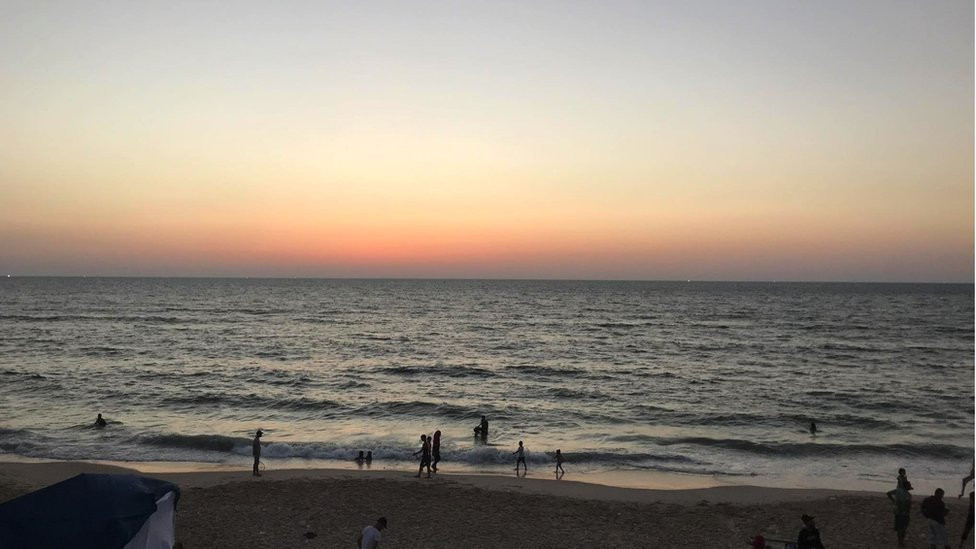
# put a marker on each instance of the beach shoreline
(230, 508)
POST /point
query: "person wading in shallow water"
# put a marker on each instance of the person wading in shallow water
(256, 452)
(100, 422)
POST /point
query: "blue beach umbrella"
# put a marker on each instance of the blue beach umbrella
(92, 511)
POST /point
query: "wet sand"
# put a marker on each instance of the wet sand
(233, 509)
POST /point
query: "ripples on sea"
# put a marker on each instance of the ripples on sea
(706, 378)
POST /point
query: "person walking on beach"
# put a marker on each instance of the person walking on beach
(809, 536)
(520, 451)
(100, 422)
(256, 452)
(962, 490)
(902, 500)
(424, 455)
(370, 537)
(559, 462)
(436, 449)
(934, 509)
(969, 521)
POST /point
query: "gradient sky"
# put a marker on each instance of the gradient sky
(707, 140)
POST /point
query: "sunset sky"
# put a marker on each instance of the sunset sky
(706, 140)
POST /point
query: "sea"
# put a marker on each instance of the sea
(713, 380)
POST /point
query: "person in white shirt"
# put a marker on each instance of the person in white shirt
(521, 458)
(370, 537)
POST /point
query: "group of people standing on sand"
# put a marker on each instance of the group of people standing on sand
(934, 510)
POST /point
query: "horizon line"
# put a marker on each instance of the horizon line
(490, 279)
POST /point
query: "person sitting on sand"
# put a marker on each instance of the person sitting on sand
(559, 461)
(370, 537)
(100, 422)
(520, 451)
(934, 509)
(256, 452)
(809, 536)
(436, 449)
(424, 456)
(902, 500)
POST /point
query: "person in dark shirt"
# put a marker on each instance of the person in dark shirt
(100, 422)
(813, 428)
(934, 509)
(256, 452)
(809, 536)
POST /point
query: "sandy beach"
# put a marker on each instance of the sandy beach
(233, 509)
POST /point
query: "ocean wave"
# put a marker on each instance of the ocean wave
(442, 370)
(251, 402)
(216, 443)
(798, 449)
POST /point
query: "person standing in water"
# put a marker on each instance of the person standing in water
(520, 451)
(100, 422)
(559, 462)
(424, 455)
(256, 452)
(813, 428)
(482, 428)
(436, 449)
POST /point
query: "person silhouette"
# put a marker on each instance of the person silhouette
(256, 452)
(100, 422)
(436, 449)
(424, 455)
(520, 451)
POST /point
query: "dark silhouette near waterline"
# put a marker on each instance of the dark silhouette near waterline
(813, 428)
(481, 430)
(256, 452)
(520, 451)
(965, 480)
(559, 462)
(424, 455)
(100, 422)
(436, 449)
